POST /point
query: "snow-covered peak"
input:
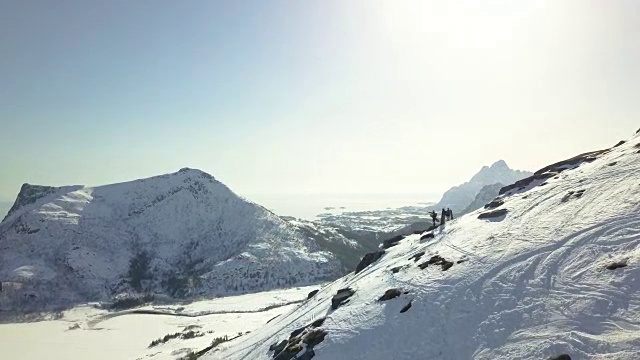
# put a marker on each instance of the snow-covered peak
(500, 164)
(181, 234)
(461, 196)
(548, 270)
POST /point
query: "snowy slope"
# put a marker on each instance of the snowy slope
(181, 234)
(461, 196)
(529, 279)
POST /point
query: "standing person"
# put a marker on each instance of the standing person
(450, 212)
(434, 217)
(443, 216)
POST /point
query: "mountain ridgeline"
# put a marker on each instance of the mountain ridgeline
(182, 235)
(458, 198)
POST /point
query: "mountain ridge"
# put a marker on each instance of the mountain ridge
(181, 234)
(461, 196)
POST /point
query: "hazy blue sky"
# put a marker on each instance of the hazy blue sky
(310, 96)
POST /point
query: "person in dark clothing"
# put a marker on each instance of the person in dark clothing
(443, 216)
(450, 214)
(434, 217)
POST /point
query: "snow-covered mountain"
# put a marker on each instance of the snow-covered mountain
(4, 208)
(181, 234)
(461, 196)
(484, 196)
(548, 270)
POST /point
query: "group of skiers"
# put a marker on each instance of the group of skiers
(447, 214)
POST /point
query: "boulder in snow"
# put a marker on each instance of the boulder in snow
(369, 259)
(341, 297)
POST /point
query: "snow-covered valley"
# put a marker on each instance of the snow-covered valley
(85, 332)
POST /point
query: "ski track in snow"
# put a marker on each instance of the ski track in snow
(534, 283)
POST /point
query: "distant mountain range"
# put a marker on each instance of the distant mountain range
(182, 234)
(460, 197)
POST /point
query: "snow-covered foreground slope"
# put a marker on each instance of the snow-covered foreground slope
(531, 277)
(183, 234)
(87, 333)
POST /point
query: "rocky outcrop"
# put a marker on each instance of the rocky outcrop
(392, 242)
(554, 169)
(369, 259)
(341, 297)
(312, 294)
(493, 214)
(437, 260)
(390, 294)
(561, 357)
(300, 344)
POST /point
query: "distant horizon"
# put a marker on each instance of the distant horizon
(391, 193)
(312, 96)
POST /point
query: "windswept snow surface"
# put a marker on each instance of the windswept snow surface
(533, 283)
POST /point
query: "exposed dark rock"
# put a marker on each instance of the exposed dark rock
(570, 194)
(278, 347)
(612, 163)
(392, 242)
(406, 307)
(553, 169)
(561, 357)
(287, 350)
(493, 214)
(427, 236)
(369, 259)
(341, 297)
(318, 322)
(296, 332)
(417, 256)
(437, 260)
(272, 318)
(314, 337)
(619, 143)
(461, 261)
(494, 204)
(312, 294)
(390, 294)
(617, 265)
(396, 269)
